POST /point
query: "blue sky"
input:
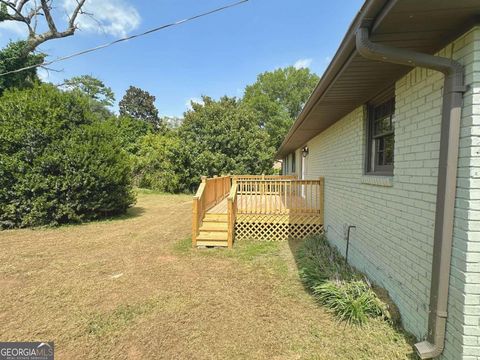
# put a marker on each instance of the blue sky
(215, 55)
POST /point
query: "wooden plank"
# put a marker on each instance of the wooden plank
(215, 217)
(212, 236)
(210, 226)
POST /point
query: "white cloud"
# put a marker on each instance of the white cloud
(188, 104)
(43, 74)
(302, 63)
(113, 17)
(14, 27)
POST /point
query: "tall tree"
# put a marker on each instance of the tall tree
(140, 104)
(92, 87)
(39, 15)
(38, 18)
(278, 97)
(223, 137)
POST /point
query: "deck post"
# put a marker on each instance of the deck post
(322, 197)
(231, 213)
(215, 188)
(230, 223)
(194, 221)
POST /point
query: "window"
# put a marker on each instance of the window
(381, 138)
(294, 165)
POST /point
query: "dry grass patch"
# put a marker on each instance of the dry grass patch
(133, 288)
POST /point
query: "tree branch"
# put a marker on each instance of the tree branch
(45, 7)
(75, 13)
(48, 16)
(17, 16)
(20, 4)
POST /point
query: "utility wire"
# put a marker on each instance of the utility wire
(103, 46)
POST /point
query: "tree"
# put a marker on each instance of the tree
(32, 14)
(140, 104)
(11, 58)
(58, 162)
(101, 96)
(130, 132)
(92, 87)
(222, 137)
(278, 97)
(158, 165)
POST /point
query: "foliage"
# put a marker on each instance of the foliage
(130, 131)
(223, 137)
(157, 163)
(140, 104)
(58, 162)
(320, 263)
(92, 87)
(336, 284)
(351, 301)
(278, 97)
(13, 58)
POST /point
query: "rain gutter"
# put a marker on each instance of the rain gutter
(453, 90)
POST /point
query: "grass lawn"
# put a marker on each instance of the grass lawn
(133, 288)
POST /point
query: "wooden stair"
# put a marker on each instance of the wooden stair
(214, 231)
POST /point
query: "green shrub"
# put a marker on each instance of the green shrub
(337, 285)
(58, 162)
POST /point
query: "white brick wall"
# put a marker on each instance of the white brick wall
(395, 216)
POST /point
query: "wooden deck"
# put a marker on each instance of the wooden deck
(269, 204)
(256, 208)
(220, 208)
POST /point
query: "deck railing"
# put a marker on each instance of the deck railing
(264, 177)
(282, 196)
(210, 192)
(257, 195)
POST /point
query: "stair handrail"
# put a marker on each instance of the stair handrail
(198, 210)
(210, 192)
(232, 213)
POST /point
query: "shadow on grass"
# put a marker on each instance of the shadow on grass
(134, 212)
(131, 213)
(294, 245)
(396, 324)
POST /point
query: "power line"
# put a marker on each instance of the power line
(103, 46)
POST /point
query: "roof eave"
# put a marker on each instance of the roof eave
(369, 11)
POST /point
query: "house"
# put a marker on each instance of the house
(393, 127)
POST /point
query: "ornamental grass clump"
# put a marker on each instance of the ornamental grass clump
(337, 285)
(351, 301)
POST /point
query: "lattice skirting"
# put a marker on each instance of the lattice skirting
(274, 231)
(279, 218)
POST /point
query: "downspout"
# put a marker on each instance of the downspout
(453, 90)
